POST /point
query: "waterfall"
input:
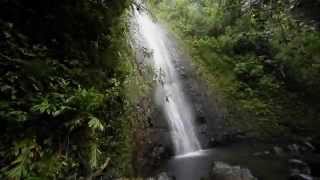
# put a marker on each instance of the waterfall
(169, 93)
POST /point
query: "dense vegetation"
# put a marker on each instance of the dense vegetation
(64, 69)
(262, 58)
(68, 81)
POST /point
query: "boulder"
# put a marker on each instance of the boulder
(223, 171)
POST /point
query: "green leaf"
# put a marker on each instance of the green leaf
(95, 123)
(42, 107)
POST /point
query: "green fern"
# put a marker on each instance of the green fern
(43, 107)
(87, 100)
(25, 151)
(54, 105)
(50, 165)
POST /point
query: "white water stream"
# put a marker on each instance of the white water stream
(169, 93)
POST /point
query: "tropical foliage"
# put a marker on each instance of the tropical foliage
(63, 71)
(261, 57)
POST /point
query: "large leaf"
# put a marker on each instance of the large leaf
(95, 123)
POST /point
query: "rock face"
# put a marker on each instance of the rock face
(223, 171)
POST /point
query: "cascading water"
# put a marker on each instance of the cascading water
(190, 162)
(169, 93)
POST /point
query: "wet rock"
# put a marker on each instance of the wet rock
(213, 142)
(278, 151)
(303, 145)
(237, 135)
(201, 119)
(223, 171)
(299, 167)
(183, 74)
(227, 138)
(219, 140)
(267, 152)
(204, 129)
(299, 170)
(300, 177)
(181, 70)
(307, 146)
(313, 161)
(263, 153)
(258, 154)
(160, 152)
(294, 149)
